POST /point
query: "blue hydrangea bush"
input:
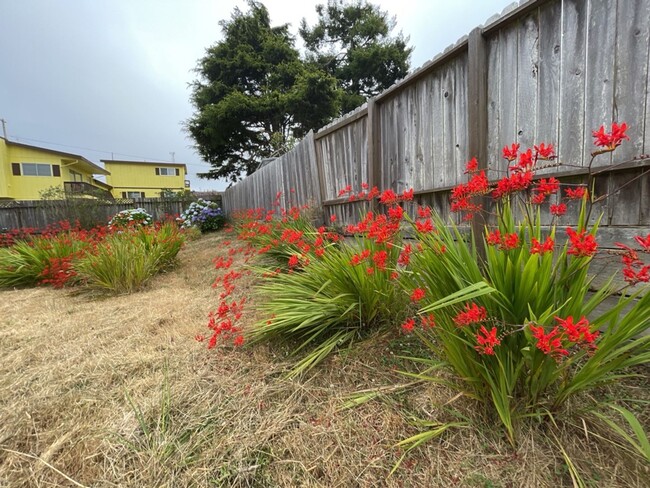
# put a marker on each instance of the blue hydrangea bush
(207, 216)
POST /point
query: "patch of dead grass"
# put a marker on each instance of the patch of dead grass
(116, 392)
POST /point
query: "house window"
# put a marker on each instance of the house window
(133, 194)
(76, 176)
(167, 171)
(36, 169)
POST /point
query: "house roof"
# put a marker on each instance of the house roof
(88, 165)
(147, 163)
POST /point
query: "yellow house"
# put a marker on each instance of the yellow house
(138, 179)
(26, 171)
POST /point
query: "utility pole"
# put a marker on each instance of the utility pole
(4, 128)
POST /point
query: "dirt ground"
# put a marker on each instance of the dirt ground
(115, 391)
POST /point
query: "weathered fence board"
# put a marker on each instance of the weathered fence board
(548, 76)
(554, 70)
(632, 40)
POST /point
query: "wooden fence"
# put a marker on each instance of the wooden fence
(39, 214)
(543, 71)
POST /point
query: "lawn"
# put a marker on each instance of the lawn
(116, 391)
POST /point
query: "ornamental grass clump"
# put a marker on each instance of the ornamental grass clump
(537, 339)
(331, 293)
(125, 261)
(46, 258)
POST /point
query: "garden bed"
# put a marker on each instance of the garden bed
(116, 391)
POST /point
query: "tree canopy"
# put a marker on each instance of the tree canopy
(353, 43)
(254, 95)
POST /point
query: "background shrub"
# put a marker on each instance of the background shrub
(207, 216)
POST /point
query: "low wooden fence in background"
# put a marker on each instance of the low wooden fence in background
(543, 71)
(39, 214)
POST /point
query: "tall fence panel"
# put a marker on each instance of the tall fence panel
(543, 71)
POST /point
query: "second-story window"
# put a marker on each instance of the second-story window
(167, 171)
(36, 169)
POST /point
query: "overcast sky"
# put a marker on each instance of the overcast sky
(109, 78)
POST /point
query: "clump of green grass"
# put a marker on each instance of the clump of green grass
(124, 262)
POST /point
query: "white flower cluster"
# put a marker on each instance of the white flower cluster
(131, 216)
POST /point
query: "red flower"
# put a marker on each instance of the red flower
(610, 140)
(538, 199)
(487, 340)
(629, 257)
(374, 192)
(575, 193)
(405, 256)
(526, 161)
(396, 212)
(417, 295)
(472, 166)
(408, 325)
(634, 277)
(238, 341)
(358, 258)
(345, 190)
(379, 259)
(510, 153)
(644, 242)
(407, 195)
(428, 321)
(494, 238)
(425, 212)
(370, 271)
(424, 226)
(510, 241)
(516, 182)
(472, 314)
(578, 332)
(550, 343)
(547, 187)
(558, 209)
(293, 261)
(388, 197)
(537, 247)
(582, 244)
(545, 152)
(333, 218)
(506, 242)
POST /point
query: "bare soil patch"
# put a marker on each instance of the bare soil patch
(105, 392)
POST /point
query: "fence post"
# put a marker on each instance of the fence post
(374, 146)
(320, 174)
(477, 119)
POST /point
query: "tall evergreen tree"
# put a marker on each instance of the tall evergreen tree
(254, 95)
(352, 41)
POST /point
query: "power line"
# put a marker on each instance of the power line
(18, 138)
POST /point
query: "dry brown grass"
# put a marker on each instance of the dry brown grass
(76, 373)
